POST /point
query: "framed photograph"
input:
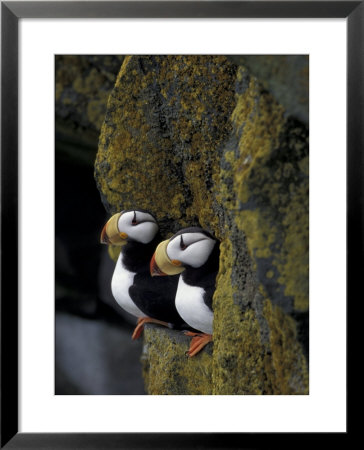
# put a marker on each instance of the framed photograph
(204, 143)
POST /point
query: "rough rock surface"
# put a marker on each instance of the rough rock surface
(198, 140)
(164, 353)
(285, 76)
(83, 84)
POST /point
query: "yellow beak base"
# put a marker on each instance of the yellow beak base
(164, 263)
(111, 234)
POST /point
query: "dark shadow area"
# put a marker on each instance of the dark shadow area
(94, 353)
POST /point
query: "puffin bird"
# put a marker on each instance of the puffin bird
(194, 253)
(147, 298)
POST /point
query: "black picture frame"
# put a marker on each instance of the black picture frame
(11, 12)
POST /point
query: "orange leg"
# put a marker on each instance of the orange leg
(198, 342)
(140, 325)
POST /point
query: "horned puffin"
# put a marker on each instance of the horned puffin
(147, 298)
(193, 252)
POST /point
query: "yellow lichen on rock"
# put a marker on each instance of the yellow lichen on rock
(162, 156)
(263, 191)
(167, 369)
(237, 357)
(271, 181)
(83, 84)
(286, 368)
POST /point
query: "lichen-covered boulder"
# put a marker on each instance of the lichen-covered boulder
(153, 151)
(199, 140)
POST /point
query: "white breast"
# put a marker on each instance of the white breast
(192, 308)
(120, 284)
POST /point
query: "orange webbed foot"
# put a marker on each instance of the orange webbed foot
(140, 326)
(198, 342)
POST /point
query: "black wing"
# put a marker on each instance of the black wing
(155, 296)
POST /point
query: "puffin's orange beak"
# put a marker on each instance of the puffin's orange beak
(104, 238)
(155, 271)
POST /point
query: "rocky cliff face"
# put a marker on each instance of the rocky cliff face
(199, 140)
(82, 86)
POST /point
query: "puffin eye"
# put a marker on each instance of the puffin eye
(182, 245)
(134, 221)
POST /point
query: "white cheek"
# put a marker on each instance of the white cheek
(144, 232)
(124, 221)
(197, 254)
(174, 251)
